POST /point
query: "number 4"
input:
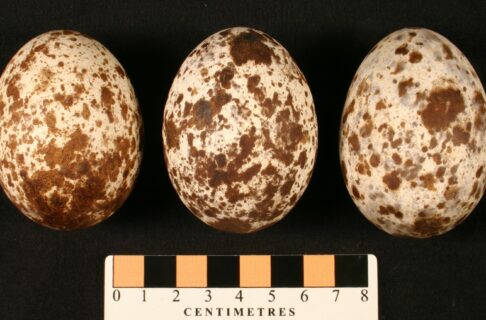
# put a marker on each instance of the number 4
(239, 296)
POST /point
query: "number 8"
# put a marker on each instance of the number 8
(364, 295)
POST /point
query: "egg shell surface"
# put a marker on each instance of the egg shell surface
(70, 131)
(412, 140)
(240, 131)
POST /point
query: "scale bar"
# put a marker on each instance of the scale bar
(245, 271)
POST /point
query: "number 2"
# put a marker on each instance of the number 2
(176, 298)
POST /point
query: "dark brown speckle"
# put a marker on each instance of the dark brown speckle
(415, 57)
(402, 50)
(403, 87)
(392, 180)
(250, 46)
(443, 106)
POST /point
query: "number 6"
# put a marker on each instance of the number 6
(303, 296)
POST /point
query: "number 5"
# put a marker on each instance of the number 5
(272, 296)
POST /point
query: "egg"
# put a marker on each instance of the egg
(239, 131)
(70, 131)
(412, 139)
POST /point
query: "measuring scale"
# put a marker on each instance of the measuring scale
(300, 287)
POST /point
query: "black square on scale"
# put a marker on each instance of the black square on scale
(351, 270)
(223, 271)
(287, 271)
(160, 272)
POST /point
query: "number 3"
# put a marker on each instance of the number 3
(208, 296)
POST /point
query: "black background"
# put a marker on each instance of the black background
(45, 274)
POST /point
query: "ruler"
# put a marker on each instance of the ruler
(301, 287)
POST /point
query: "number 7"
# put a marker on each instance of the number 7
(336, 291)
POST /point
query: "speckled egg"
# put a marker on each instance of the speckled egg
(240, 131)
(412, 140)
(69, 131)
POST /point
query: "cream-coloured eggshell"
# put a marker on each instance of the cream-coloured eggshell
(69, 131)
(413, 135)
(240, 131)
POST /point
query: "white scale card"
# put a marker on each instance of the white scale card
(300, 287)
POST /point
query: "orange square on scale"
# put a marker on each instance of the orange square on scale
(128, 271)
(191, 271)
(255, 271)
(319, 271)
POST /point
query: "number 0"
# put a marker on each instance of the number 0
(116, 295)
